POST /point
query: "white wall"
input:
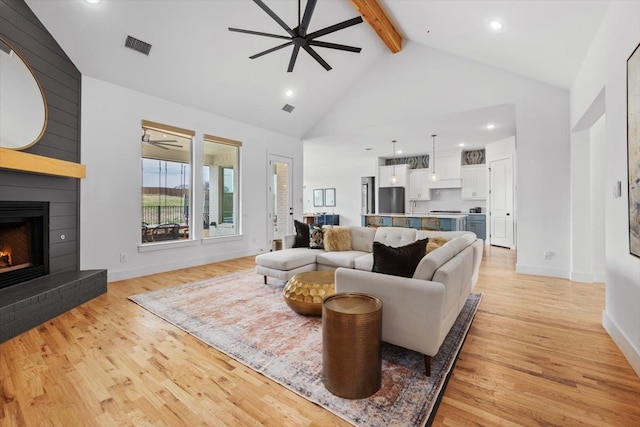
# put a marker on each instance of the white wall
(420, 82)
(111, 193)
(323, 170)
(615, 42)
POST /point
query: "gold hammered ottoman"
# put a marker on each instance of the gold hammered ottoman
(304, 292)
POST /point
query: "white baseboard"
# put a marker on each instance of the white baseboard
(540, 271)
(113, 276)
(584, 277)
(626, 347)
(576, 276)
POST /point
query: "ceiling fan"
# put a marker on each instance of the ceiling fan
(298, 36)
(160, 143)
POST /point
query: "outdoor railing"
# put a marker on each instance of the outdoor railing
(165, 214)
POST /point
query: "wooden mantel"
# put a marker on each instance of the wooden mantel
(25, 162)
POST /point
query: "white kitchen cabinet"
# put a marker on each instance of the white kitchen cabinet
(419, 184)
(474, 183)
(385, 172)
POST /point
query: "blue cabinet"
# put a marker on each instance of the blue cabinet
(322, 219)
(447, 224)
(327, 219)
(477, 224)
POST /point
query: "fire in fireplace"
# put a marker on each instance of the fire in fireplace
(24, 241)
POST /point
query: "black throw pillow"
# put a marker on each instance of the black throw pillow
(302, 235)
(401, 261)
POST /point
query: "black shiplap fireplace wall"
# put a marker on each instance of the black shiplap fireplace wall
(60, 81)
(26, 305)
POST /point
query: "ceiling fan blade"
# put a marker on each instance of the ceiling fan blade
(294, 56)
(317, 57)
(334, 28)
(258, 33)
(306, 19)
(273, 49)
(319, 43)
(158, 145)
(275, 17)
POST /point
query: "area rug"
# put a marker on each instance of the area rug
(250, 322)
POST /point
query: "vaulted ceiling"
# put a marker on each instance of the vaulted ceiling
(196, 61)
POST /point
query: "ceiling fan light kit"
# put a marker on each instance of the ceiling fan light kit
(300, 38)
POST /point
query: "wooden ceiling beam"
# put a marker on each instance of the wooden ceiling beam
(373, 13)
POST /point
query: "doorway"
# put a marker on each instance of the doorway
(280, 198)
(501, 203)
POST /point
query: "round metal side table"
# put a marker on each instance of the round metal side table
(351, 344)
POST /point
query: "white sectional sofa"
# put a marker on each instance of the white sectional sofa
(418, 311)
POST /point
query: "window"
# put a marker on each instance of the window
(166, 179)
(221, 186)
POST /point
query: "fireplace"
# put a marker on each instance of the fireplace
(24, 241)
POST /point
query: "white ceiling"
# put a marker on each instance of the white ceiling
(196, 61)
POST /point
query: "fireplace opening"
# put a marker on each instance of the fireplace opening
(24, 241)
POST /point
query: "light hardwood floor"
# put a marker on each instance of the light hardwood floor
(536, 354)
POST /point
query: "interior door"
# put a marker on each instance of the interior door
(280, 197)
(501, 206)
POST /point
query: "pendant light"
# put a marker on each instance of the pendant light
(434, 175)
(393, 179)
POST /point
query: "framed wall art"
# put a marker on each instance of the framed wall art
(318, 197)
(633, 149)
(329, 196)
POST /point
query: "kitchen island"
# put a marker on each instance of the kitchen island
(445, 222)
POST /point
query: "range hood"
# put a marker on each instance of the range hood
(446, 183)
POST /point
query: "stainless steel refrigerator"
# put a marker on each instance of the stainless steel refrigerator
(391, 200)
(368, 195)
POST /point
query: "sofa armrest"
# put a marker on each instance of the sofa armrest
(412, 309)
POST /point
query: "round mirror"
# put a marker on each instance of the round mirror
(23, 110)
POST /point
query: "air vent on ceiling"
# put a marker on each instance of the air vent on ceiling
(137, 45)
(288, 108)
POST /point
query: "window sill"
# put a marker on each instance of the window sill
(221, 239)
(161, 246)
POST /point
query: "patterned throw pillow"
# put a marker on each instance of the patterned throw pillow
(315, 237)
(401, 261)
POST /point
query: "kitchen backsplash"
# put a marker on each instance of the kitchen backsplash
(448, 199)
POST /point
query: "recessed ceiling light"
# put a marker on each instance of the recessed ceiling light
(491, 126)
(461, 144)
(495, 25)
(289, 93)
(399, 151)
(93, 1)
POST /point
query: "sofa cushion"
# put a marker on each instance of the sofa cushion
(364, 262)
(362, 239)
(302, 234)
(287, 259)
(432, 261)
(338, 258)
(316, 240)
(337, 239)
(398, 261)
(457, 244)
(395, 236)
